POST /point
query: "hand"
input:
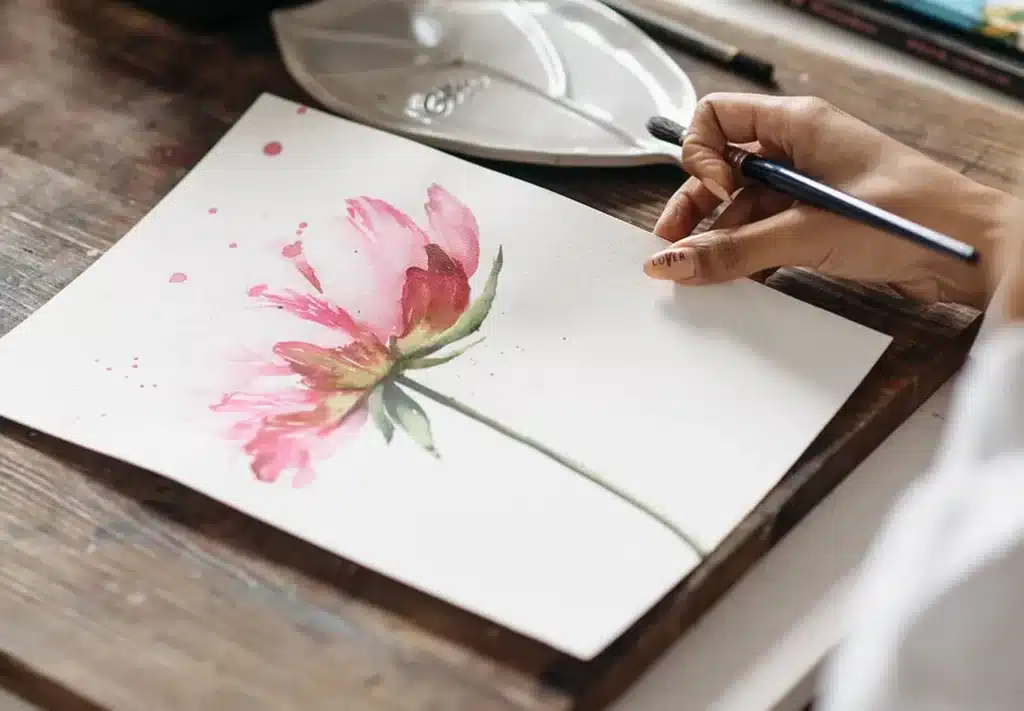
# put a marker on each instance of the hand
(761, 229)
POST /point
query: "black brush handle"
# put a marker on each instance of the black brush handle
(800, 187)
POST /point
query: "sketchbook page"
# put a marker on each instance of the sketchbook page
(294, 331)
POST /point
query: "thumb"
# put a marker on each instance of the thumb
(786, 239)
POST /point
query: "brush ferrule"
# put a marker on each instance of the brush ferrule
(734, 157)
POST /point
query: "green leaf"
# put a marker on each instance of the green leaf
(471, 319)
(421, 363)
(380, 416)
(407, 413)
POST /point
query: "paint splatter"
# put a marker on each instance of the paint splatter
(135, 365)
(110, 370)
(303, 225)
(233, 245)
(293, 252)
(302, 110)
(273, 148)
(258, 290)
(177, 278)
(212, 211)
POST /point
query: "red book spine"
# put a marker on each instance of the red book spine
(901, 34)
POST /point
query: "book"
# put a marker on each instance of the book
(448, 376)
(992, 22)
(914, 38)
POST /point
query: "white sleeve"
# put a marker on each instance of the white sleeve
(937, 620)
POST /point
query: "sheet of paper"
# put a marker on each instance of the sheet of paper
(255, 337)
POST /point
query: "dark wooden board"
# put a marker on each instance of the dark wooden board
(120, 590)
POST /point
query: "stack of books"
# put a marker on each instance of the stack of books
(978, 39)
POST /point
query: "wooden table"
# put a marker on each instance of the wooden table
(120, 590)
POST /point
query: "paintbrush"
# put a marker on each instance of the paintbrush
(798, 186)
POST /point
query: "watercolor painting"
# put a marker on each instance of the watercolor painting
(453, 378)
(303, 402)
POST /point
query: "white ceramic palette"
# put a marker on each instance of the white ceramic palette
(564, 82)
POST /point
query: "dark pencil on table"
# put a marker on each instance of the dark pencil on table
(696, 43)
(798, 186)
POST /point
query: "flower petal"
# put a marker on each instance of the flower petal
(310, 308)
(391, 242)
(291, 431)
(454, 228)
(432, 298)
(359, 365)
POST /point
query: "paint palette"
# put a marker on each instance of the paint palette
(567, 82)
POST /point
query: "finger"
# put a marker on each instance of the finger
(686, 209)
(753, 204)
(785, 126)
(750, 205)
(787, 239)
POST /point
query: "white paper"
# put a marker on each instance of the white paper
(695, 401)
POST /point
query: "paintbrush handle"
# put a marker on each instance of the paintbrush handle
(798, 186)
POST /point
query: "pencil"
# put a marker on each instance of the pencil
(697, 44)
(798, 186)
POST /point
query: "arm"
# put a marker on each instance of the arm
(937, 623)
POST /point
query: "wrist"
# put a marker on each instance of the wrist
(999, 238)
(990, 220)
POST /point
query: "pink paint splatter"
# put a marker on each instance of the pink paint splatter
(303, 225)
(177, 278)
(258, 290)
(302, 110)
(212, 211)
(293, 252)
(135, 365)
(233, 245)
(110, 370)
(273, 148)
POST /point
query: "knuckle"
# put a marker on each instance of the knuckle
(717, 256)
(708, 101)
(813, 107)
(813, 114)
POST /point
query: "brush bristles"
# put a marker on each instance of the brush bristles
(666, 130)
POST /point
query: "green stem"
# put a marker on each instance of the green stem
(568, 463)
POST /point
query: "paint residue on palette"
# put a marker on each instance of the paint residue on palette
(178, 277)
(273, 148)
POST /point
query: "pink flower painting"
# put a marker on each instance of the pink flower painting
(305, 399)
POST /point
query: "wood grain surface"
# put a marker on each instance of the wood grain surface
(122, 591)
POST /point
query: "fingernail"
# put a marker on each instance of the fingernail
(717, 190)
(675, 263)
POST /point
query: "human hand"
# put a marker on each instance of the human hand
(761, 229)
